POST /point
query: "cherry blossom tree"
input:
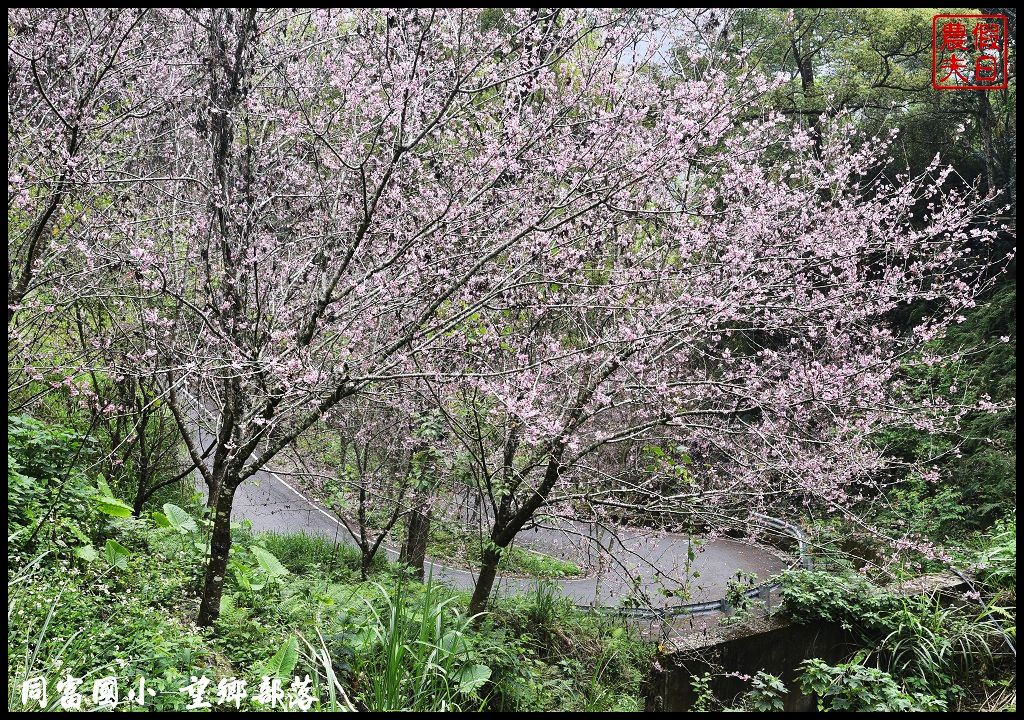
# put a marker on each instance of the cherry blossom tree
(343, 189)
(81, 84)
(75, 81)
(741, 316)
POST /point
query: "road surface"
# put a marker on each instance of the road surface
(659, 561)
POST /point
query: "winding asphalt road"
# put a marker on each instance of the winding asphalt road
(660, 562)
(656, 568)
(655, 565)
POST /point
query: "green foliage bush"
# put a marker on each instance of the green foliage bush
(44, 478)
(996, 560)
(563, 659)
(74, 610)
(767, 694)
(929, 647)
(852, 687)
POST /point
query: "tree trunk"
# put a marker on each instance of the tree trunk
(414, 552)
(485, 581)
(142, 492)
(216, 568)
(803, 54)
(213, 491)
(366, 557)
(140, 501)
(986, 122)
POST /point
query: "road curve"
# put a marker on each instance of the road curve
(658, 561)
(657, 569)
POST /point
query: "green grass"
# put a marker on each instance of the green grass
(302, 553)
(521, 561)
(451, 542)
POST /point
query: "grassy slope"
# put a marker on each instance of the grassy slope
(90, 618)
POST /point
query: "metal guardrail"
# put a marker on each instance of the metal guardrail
(762, 592)
(804, 556)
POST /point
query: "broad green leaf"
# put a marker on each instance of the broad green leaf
(448, 641)
(116, 554)
(87, 553)
(113, 506)
(472, 677)
(270, 564)
(160, 519)
(107, 503)
(284, 661)
(179, 519)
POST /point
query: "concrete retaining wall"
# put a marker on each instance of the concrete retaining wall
(773, 645)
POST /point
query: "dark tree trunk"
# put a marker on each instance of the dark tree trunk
(38, 239)
(216, 568)
(485, 581)
(364, 564)
(414, 552)
(143, 491)
(507, 524)
(987, 121)
(140, 501)
(803, 54)
(212, 494)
